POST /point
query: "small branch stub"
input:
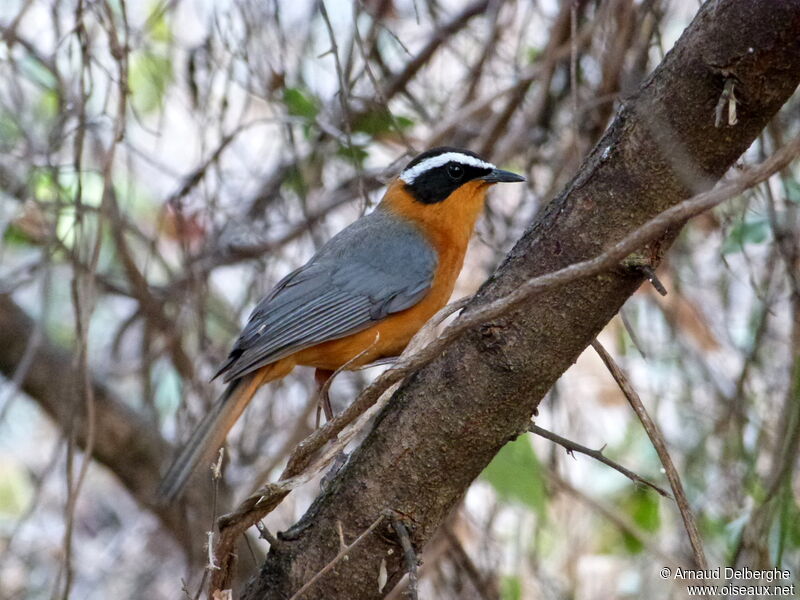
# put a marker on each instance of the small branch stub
(409, 554)
(726, 99)
(212, 564)
(642, 264)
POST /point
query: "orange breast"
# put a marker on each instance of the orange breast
(448, 225)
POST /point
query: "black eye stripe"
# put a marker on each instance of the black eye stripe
(432, 177)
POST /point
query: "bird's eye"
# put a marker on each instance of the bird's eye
(455, 171)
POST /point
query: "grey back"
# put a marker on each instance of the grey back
(377, 266)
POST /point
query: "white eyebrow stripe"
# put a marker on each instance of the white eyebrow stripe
(409, 175)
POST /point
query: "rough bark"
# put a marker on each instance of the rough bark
(447, 421)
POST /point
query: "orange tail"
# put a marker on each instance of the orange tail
(211, 432)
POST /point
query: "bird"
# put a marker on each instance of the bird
(360, 298)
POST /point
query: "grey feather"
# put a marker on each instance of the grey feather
(377, 266)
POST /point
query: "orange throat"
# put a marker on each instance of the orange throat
(448, 224)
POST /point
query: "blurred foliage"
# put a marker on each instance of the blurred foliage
(754, 230)
(300, 104)
(15, 491)
(516, 474)
(379, 121)
(151, 69)
(510, 588)
(643, 507)
(149, 79)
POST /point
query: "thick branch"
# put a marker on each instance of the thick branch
(448, 420)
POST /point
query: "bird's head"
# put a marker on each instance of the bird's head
(443, 190)
(436, 175)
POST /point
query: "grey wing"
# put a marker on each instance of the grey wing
(375, 267)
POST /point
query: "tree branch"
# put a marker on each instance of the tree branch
(127, 444)
(598, 455)
(657, 439)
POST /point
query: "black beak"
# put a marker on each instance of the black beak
(500, 176)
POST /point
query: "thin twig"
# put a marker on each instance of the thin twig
(409, 555)
(342, 553)
(265, 534)
(573, 69)
(376, 86)
(82, 287)
(343, 94)
(211, 564)
(726, 99)
(437, 38)
(597, 455)
(657, 438)
(632, 332)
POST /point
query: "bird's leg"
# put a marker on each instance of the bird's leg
(321, 377)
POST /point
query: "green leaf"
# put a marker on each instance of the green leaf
(645, 510)
(15, 490)
(150, 76)
(533, 54)
(792, 523)
(167, 386)
(296, 182)
(711, 527)
(755, 231)
(300, 104)
(44, 186)
(157, 25)
(643, 507)
(14, 236)
(380, 121)
(510, 588)
(37, 72)
(733, 530)
(47, 107)
(354, 154)
(516, 475)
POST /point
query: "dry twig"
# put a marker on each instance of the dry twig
(657, 438)
(597, 455)
(409, 555)
(342, 554)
